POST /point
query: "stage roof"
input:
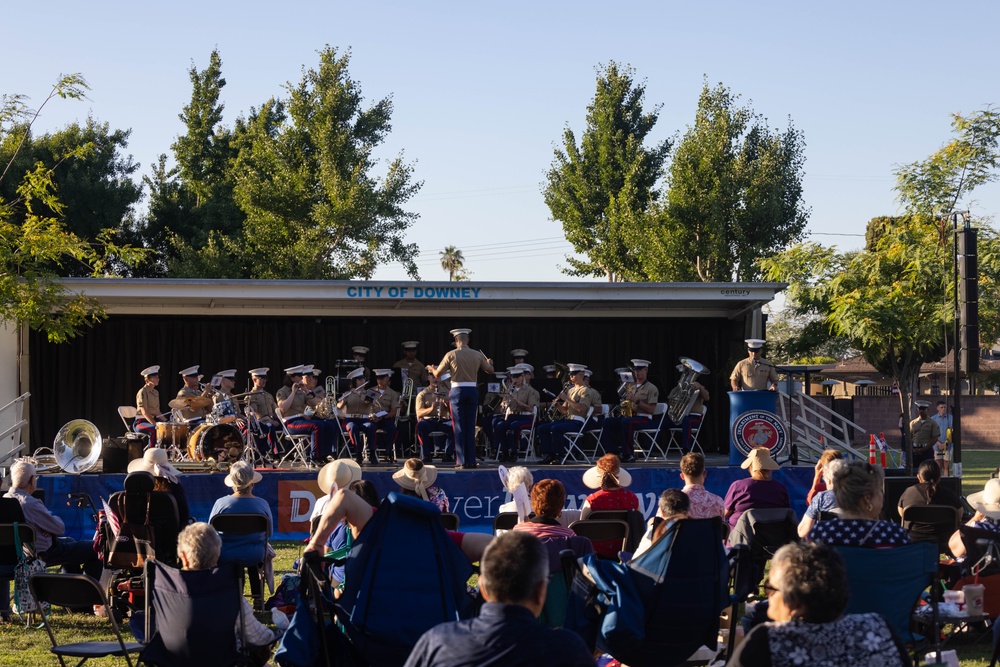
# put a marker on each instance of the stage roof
(423, 299)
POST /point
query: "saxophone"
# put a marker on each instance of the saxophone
(682, 397)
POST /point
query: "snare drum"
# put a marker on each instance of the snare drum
(171, 432)
(223, 412)
(208, 440)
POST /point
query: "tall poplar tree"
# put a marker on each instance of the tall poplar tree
(601, 190)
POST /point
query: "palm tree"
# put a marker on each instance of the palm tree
(451, 260)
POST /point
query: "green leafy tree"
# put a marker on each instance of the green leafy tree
(734, 195)
(892, 300)
(601, 189)
(35, 245)
(452, 261)
(305, 178)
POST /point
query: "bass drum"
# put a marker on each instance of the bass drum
(213, 441)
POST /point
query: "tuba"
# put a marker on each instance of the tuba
(77, 446)
(682, 397)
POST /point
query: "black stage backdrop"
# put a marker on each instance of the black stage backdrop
(92, 375)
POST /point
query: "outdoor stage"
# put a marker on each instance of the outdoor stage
(475, 495)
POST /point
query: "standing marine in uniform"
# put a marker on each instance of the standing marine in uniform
(147, 405)
(754, 373)
(410, 366)
(463, 364)
(925, 433)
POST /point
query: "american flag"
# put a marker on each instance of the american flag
(111, 517)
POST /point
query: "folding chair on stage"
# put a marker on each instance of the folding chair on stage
(596, 433)
(528, 433)
(300, 446)
(78, 590)
(573, 450)
(652, 432)
(677, 435)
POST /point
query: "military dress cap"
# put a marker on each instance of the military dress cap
(500, 375)
(359, 349)
(519, 353)
(306, 369)
(923, 405)
(410, 345)
(193, 370)
(515, 371)
(527, 368)
(294, 370)
(550, 368)
(382, 372)
(152, 370)
(460, 332)
(755, 343)
(316, 372)
(228, 373)
(356, 373)
(587, 373)
(640, 363)
(260, 372)
(573, 368)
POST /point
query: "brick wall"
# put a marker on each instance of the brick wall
(980, 419)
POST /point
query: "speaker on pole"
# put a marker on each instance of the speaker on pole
(968, 294)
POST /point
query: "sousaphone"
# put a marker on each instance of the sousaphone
(77, 446)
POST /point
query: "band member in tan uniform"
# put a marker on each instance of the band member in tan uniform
(413, 367)
(262, 407)
(754, 373)
(147, 405)
(357, 409)
(520, 406)
(573, 403)
(433, 415)
(384, 409)
(291, 400)
(642, 398)
(464, 365)
(192, 388)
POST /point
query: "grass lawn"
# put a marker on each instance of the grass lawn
(29, 647)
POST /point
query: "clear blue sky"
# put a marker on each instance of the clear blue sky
(483, 90)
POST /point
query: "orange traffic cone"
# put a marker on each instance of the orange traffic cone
(871, 449)
(883, 446)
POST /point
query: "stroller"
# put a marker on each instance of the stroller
(403, 576)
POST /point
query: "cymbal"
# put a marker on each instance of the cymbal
(190, 402)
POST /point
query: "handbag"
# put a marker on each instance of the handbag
(24, 602)
(133, 544)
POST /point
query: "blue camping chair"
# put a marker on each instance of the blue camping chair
(404, 575)
(663, 605)
(890, 581)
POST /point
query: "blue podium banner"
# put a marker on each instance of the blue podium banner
(753, 422)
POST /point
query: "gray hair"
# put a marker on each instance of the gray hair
(854, 481)
(201, 544)
(830, 470)
(21, 474)
(517, 476)
(242, 476)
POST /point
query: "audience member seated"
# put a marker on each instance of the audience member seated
(610, 480)
(347, 506)
(987, 516)
(165, 477)
(246, 548)
(341, 536)
(807, 591)
(334, 476)
(547, 500)
(858, 486)
(757, 492)
(704, 503)
(513, 580)
(517, 476)
(49, 546)
(198, 548)
(674, 505)
(819, 483)
(927, 492)
(824, 501)
(416, 479)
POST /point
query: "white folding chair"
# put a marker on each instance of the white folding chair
(652, 431)
(573, 450)
(677, 435)
(596, 433)
(300, 445)
(529, 433)
(128, 413)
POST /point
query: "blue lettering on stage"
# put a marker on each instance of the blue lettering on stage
(400, 292)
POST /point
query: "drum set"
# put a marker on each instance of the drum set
(218, 439)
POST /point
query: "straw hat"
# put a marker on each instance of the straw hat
(242, 475)
(987, 501)
(340, 472)
(155, 462)
(415, 476)
(592, 478)
(759, 459)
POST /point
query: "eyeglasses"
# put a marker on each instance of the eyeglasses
(768, 589)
